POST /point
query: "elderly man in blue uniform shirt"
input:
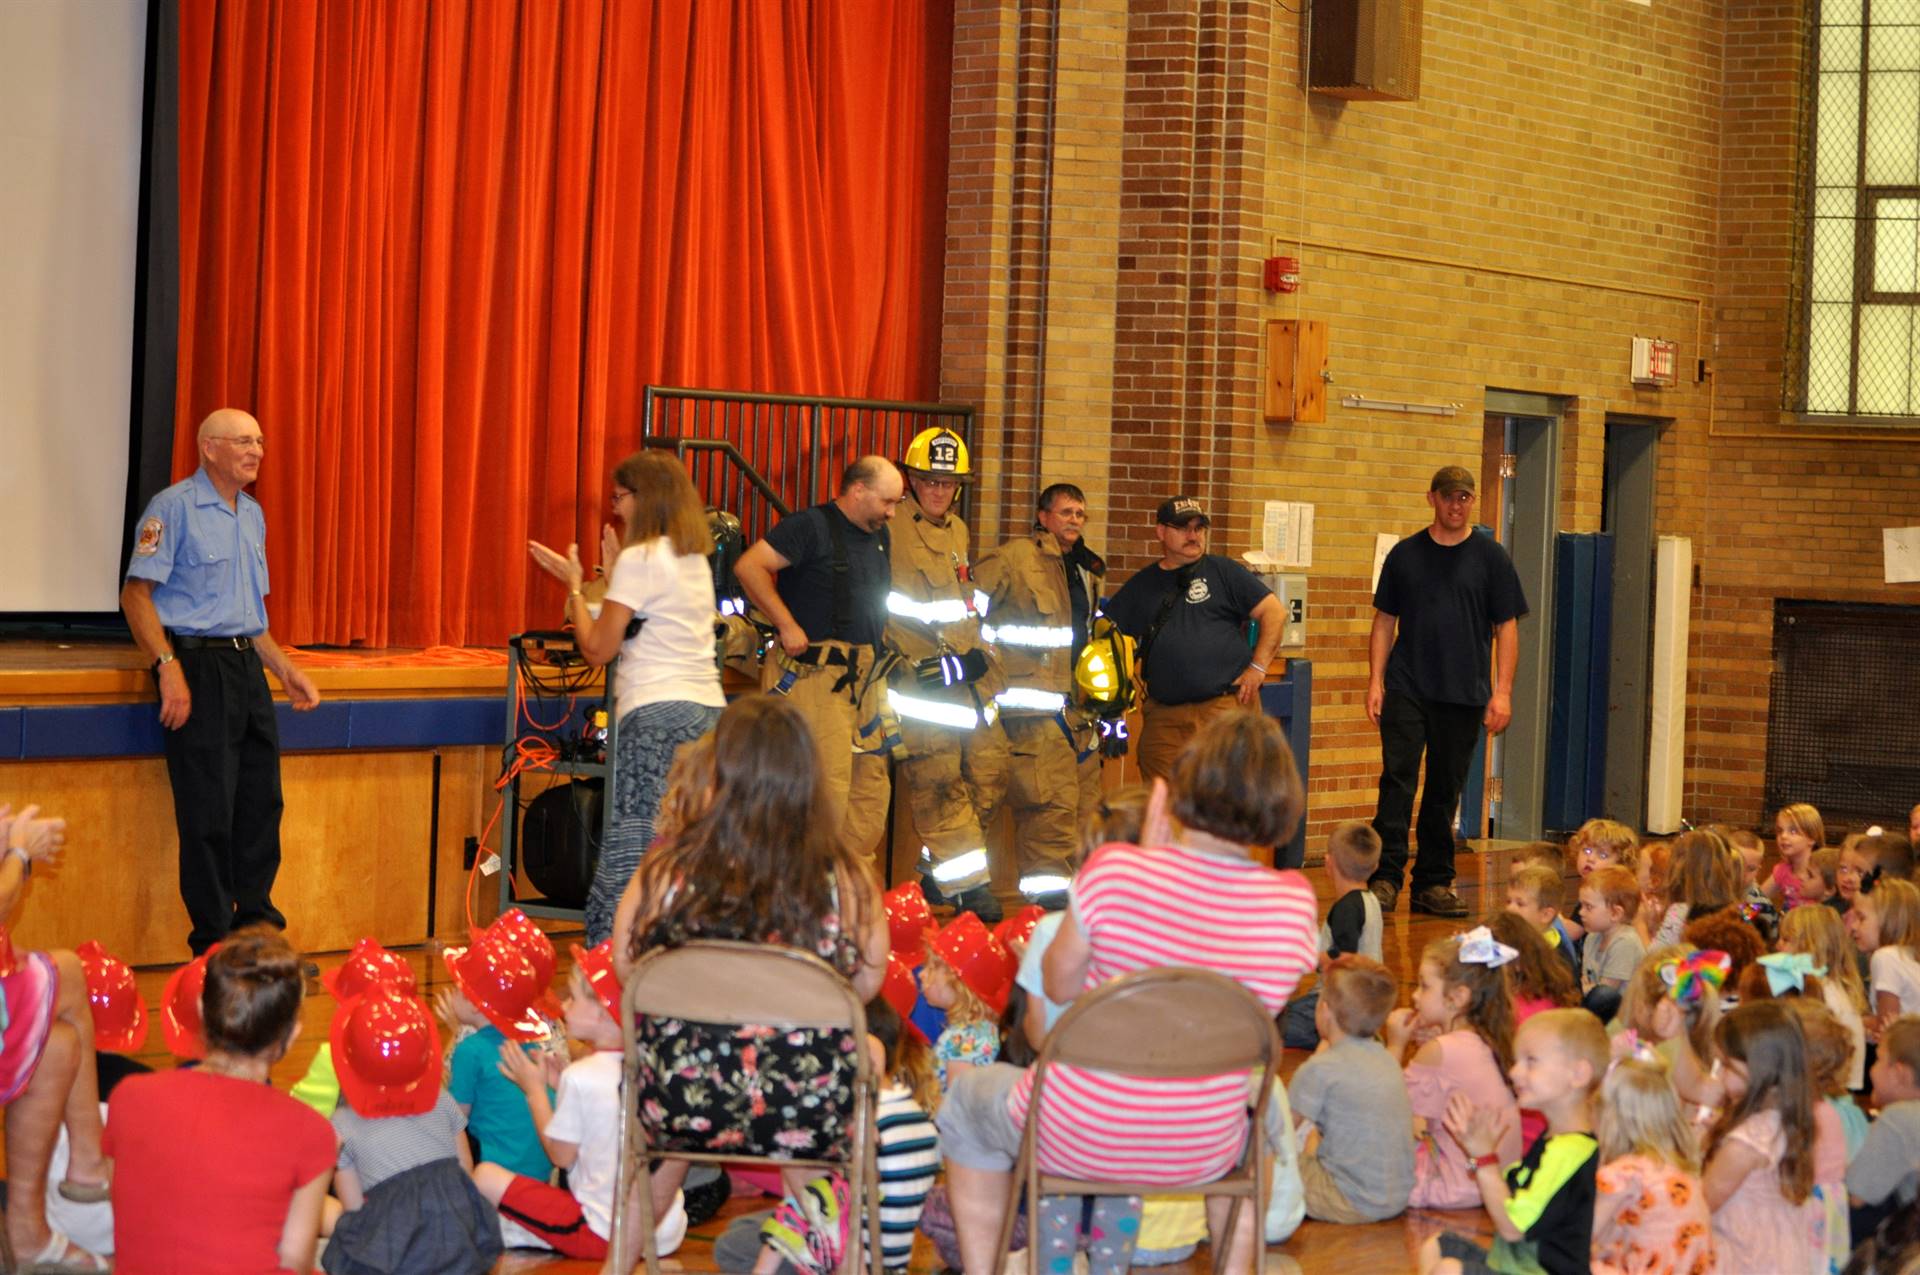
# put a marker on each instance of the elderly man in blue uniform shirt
(195, 598)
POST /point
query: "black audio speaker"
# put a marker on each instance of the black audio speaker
(1366, 50)
(560, 841)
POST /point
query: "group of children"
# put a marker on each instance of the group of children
(1672, 1079)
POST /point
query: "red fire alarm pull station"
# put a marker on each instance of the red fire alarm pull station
(1282, 274)
(1655, 361)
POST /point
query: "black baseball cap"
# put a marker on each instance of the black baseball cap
(1181, 510)
(1450, 479)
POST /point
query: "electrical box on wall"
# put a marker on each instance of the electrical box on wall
(1296, 370)
(1291, 588)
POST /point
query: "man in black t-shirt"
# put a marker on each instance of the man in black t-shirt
(821, 577)
(1191, 614)
(1450, 594)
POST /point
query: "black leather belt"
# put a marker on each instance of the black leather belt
(185, 642)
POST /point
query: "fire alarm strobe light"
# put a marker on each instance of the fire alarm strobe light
(1281, 274)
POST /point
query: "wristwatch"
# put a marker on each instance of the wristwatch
(26, 860)
(165, 658)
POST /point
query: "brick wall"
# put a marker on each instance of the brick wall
(1575, 173)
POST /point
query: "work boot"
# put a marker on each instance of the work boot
(980, 901)
(1387, 892)
(1438, 900)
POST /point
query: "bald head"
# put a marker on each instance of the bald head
(231, 448)
(869, 490)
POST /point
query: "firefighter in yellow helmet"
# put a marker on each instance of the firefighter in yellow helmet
(955, 769)
(1042, 590)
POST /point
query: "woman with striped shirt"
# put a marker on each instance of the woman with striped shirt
(1193, 896)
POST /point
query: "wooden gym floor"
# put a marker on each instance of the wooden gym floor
(1315, 1247)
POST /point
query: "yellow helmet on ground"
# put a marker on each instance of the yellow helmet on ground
(939, 453)
(1103, 673)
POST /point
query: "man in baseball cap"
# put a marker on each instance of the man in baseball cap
(1445, 596)
(1193, 614)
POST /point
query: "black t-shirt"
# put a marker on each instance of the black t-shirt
(807, 584)
(1448, 598)
(1203, 645)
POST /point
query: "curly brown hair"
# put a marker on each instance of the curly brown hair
(761, 860)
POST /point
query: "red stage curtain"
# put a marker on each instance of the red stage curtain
(440, 248)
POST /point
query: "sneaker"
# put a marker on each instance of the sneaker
(785, 1232)
(1387, 892)
(1438, 900)
(981, 902)
(826, 1203)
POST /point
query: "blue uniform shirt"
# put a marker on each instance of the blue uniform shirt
(208, 562)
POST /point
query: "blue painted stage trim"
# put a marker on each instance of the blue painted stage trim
(133, 730)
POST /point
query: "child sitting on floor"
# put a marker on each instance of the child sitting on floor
(579, 1130)
(1886, 1173)
(1462, 997)
(1820, 935)
(1649, 1212)
(1759, 1153)
(1609, 898)
(1352, 1094)
(1542, 1207)
(407, 1205)
(1353, 923)
(1537, 892)
(968, 973)
(492, 985)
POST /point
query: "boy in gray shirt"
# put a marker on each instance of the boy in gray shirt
(1885, 1174)
(1352, 1092)
(1353, 923)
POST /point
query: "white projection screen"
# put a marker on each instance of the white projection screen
(71, 75)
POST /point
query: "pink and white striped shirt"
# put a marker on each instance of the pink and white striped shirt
(1141, 909)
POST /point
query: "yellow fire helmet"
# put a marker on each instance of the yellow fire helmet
(939, 453)
(1104, 671)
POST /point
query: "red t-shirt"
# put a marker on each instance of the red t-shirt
(204, 1168)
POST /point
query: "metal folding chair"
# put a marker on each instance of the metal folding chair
(1167, 1023)
(711, 981)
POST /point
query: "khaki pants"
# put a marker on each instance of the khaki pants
(855, 780)
(1326, 1202)
(954, 781)
(1044, 785)
(1166, 728)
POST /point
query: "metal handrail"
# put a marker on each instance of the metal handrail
(681, 446)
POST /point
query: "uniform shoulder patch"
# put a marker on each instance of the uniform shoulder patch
(148, 542)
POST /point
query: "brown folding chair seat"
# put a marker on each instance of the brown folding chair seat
(1172, 1022)
(711, 981)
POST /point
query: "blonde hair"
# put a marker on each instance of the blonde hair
(1640, 1115)
(1545, 884)
(1807, 819)
(1614, 837)
(1577, 1034)
(1117, 816)
(1898, 904)
(1817, 932)
(967, 1006)
(1544, 853)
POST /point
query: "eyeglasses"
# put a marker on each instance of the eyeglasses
(620, 494)
(245, 442)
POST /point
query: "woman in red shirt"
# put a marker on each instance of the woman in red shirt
(214, 1172)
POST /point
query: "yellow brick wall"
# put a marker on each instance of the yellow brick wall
(1574, 174)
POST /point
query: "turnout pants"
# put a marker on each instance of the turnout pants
(954, 781)
(1446, 733)
(224, 766)
(855, 779)
(1044, 787)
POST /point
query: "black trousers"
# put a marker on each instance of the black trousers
(224, 764)
(1446, 734)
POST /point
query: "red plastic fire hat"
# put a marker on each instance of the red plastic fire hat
(900, 991)
(596, 964)
(119, 1015)
(517, 928)
(386, 1052)
(980, 960)
(502, 985)
(369, 965)
(908, 920)
(180, 1008)
(1018, 928)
